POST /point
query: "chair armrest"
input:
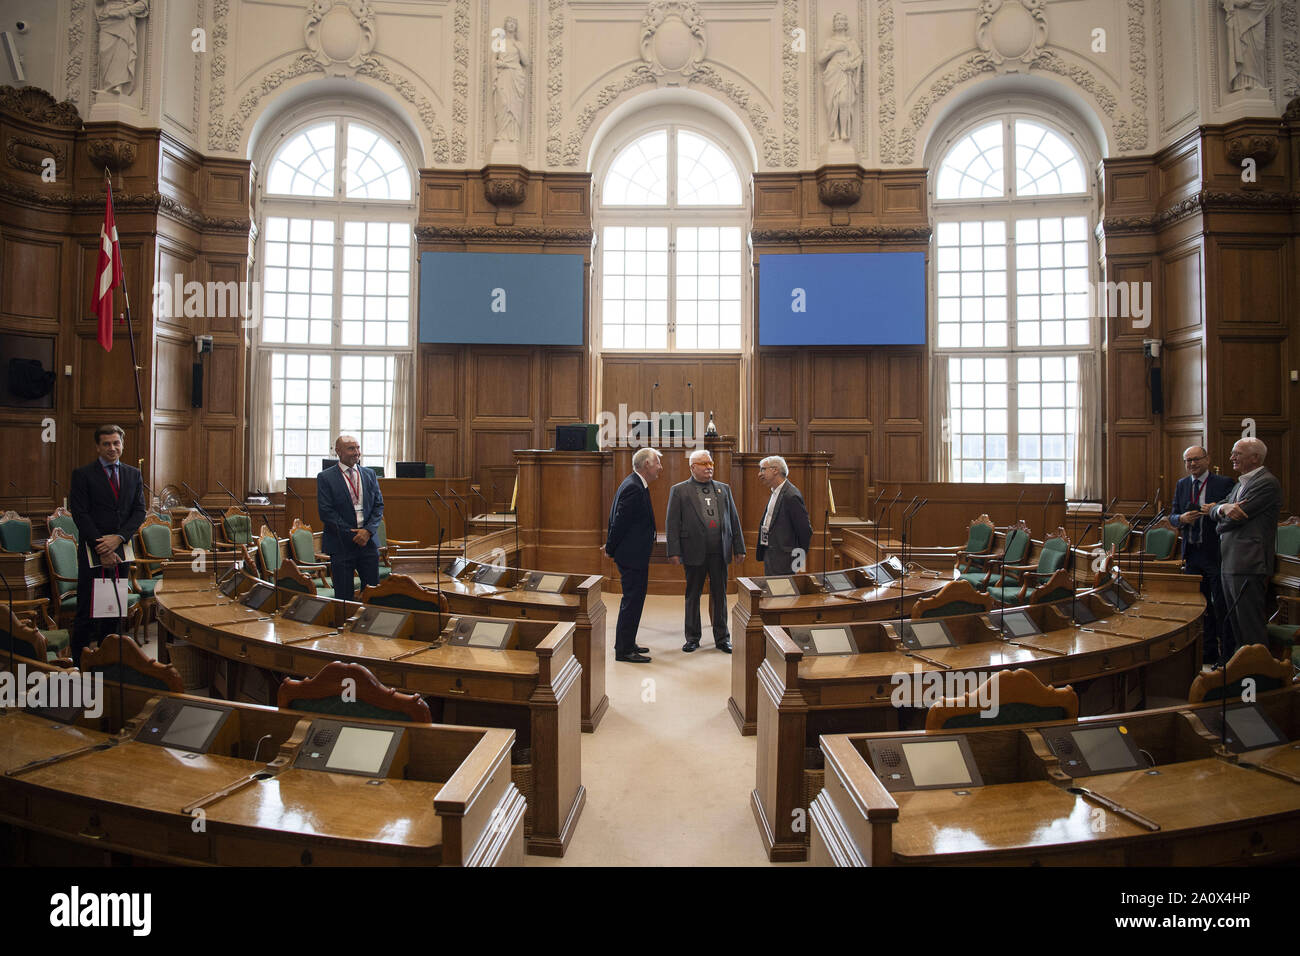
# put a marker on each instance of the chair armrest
(1021, 567)
(402, 544)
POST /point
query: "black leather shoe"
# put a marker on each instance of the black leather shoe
(724, 645)
(691, 646)
(642, 650)
(632, 659)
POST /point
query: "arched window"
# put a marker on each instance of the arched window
(671, 235)
(1013, 318)
(338, 258)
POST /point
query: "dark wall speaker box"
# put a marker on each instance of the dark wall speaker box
(577, 437)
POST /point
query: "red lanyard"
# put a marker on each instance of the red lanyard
(354, 488)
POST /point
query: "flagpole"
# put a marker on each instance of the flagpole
(130, 331)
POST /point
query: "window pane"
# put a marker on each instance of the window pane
(705, 176)
(635, 296)
(639, 174)
(1046, 165)
(973, 168)
(304, 166)
(375, 169)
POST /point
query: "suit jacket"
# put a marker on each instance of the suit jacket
(790, 527)
(1247, 546)
(338, 518)
(687, 536)
(630, 538)
(1216, 488)
(97, 511)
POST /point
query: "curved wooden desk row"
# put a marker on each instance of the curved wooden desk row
(1212, 807)
(814, 604)
(578, 600)
(76, 793)
(532, 689)
(1114, 664)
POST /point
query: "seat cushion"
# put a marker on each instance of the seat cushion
(146, 586)
(57, 640)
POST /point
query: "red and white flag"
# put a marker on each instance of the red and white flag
(109, 272)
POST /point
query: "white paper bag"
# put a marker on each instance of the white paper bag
(108, 599)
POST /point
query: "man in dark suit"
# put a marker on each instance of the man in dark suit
(1247, 525)
(1200, 542)
(629, 541)
(350, 506)
(704, 535)
(785, 526)
(106, 498)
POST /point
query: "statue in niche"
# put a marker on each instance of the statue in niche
(119, 52)
(1247, 43)
(511, 82)
(840, 61)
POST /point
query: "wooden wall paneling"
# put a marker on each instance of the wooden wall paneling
(28, 462)
(839, 386)
(777, 398)
(172, 361)
(1183, 370)
(440, 379)
(502, 383)
(23, 257)
(718, 390)
(440, 448)
(565, 385)
(1251, 278)
(221, 378)
(848, 450)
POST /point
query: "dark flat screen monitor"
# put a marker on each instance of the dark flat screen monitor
(258, 596)
(1019, 624)
(410, 469)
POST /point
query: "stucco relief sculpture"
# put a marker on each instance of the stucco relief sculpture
(1247, 43)
(119, 51)
(511, 64)
(840, 61)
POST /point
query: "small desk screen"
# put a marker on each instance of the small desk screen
(258, 595)
(360, 750)
(1105, 749)
(930, 634)
(839, 582)
(833, 640)
(882, 573)
(385, 623)
(1020, 624)
(551, 582)
(488, 634)
(230, 583)
(1112, 596)
(1251, 728)
(937, 763)
(781, 587)
(1083, 614)
(305, 610)
(192, 727)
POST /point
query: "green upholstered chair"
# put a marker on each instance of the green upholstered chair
(386, 545)
(955, 597)
(1010, 583)
(1284, 630)
(119, 658)
(1160, 541)
(401, 592)
(61, 564)
(31, 634)
(15, 533)
(1288, 537)
(274, 566)
(269, 556)
(1115, 532)
(1022, 699)
(323, 694)
(153, 547)
(978, 570)
(236, 528)
(302, 547)
(293, 579)
(62, 519)
(1251, 661)
(196, 532)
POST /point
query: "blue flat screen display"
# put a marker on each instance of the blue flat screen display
(493, 298)
(845, 298)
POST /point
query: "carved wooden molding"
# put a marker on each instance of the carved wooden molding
(29, 154)
(115, 154)
(140, 202)
(843, 234)
(34, 104)
(840, 185)
(1203, 201)
(1261, 149)
(505, 185)
(363, 686)
(116, 647)
(503, 234)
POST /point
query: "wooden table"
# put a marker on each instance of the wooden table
(1210, 809)
(458, 807)
(534, 692)
(1114, 665)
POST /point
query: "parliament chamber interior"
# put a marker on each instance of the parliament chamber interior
(984, 315)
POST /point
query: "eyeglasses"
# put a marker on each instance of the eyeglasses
(1192, 461)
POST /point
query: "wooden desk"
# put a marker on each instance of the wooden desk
(1211, 810)
(457, 807)
(755, 609)
(954, 505)
(534, 691)
(406, 515)
(1113, 665)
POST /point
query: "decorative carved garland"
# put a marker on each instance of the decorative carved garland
(508, 234)
(142, 202)
(115, 154)
(888, 110)
(17, 152)
(76, 33)
(790, 84)
(554, 80)
(1260, 148)
(34, 104)
(900, 234)
(1203, 201)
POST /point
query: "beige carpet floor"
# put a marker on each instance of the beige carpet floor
(668, 775)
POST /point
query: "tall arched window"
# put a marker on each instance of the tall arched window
(671, 234)
(338, 260)
(1013, 322)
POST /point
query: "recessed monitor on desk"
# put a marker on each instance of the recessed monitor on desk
(340, 747)
(495, 635)
(930, 763)
(458, 566)
(1083, 613)
(780, 587)
(1115, 598)
(837, 581)
(823, 641)
(918, 635)
(489, 575)
(230, 581)
(1018, 623)
(383, 622)
(886, 572)
(184, 725)
(1249, 728)
(546, 583)
(1084, 751)
(306, 609)
(258, 596)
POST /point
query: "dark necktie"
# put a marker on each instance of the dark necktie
(112, 480)
(1195, 536)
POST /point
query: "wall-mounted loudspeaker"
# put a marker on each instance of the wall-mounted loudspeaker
(1157, 392)
(196, 389)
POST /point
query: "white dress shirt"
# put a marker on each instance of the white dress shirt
(767, 515)
(351, 475)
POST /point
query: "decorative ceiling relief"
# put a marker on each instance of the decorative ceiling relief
(340, 34)
(672, 40)
(1011, 34)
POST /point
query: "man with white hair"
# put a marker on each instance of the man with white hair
(704, 536)
(785, 526)
(630, 540)
(1247, 526)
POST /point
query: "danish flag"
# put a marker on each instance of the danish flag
(109, 271)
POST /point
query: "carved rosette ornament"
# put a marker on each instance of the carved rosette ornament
(505, 187)
(113, 154)
(1011, 34)
(839, 187)
(1261, 149)
(340, 34)
(672, 40)
(34, 104)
